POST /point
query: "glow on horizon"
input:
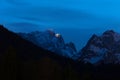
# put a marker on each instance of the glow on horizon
(57, 35)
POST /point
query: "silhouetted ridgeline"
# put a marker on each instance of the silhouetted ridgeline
(22, 60)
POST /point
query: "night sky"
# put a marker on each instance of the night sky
(76, 20)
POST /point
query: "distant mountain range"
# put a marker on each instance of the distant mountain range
(104, 48)
(45, 56)
(51, 41)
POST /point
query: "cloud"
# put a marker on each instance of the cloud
(60, 14)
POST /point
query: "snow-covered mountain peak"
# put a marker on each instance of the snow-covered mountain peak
(51, 41)
(50, 32)
(109, 32)
(57, 35)
(104, 48)
(112, 34)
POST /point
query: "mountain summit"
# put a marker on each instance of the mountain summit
(104, 48)
(51, 41)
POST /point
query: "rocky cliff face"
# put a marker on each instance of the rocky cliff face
(99, 49)
(104, 48)
(51, 41)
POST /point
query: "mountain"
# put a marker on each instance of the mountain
(22, 60)
(102, 49)
(52, 41)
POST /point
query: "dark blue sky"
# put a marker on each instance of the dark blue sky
(82, 16)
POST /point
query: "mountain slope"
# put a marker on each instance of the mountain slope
(22, 60)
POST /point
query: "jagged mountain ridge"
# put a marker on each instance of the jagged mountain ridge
(51, 41)
(104, 48)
